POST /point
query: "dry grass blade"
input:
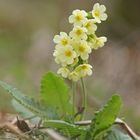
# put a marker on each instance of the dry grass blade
(118, 121)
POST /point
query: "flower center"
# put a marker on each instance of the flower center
(68, 53)
(84, 67)
(78, 17)
(64, 41)
(78, 32)
(97, 13)
(88, 25)
(81, 49)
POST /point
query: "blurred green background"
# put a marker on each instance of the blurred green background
(27, 28)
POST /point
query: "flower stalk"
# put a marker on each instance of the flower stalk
(73, 99)
(84, 104)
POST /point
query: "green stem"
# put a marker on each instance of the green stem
(84, 96)
(73, 98)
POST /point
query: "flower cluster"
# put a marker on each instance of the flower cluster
(72, 50)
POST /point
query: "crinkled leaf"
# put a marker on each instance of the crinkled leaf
(105, 117)
(28, 102)
(69, 130)
(116, 134)
(54, 92)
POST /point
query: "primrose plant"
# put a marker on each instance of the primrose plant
(72, 50)
(54, 106)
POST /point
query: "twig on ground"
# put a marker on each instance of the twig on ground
(13, 129)
(125, 127)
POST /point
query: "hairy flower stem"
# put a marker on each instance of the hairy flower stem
(84, 105)
(73, 99)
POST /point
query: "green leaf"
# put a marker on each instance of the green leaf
(69, 130)
(105, 117)
(24, 112)
(54, 92)
(28, 102)
(116, 134)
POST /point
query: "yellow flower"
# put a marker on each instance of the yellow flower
(72, 50)
(97, 42)
(84, 70)
(63, 39)
(74, 76)
(78, 17)
(98, 13)
(63, 71)
(64, 55)
(90, 26)
(82, 49)
(79, 33)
